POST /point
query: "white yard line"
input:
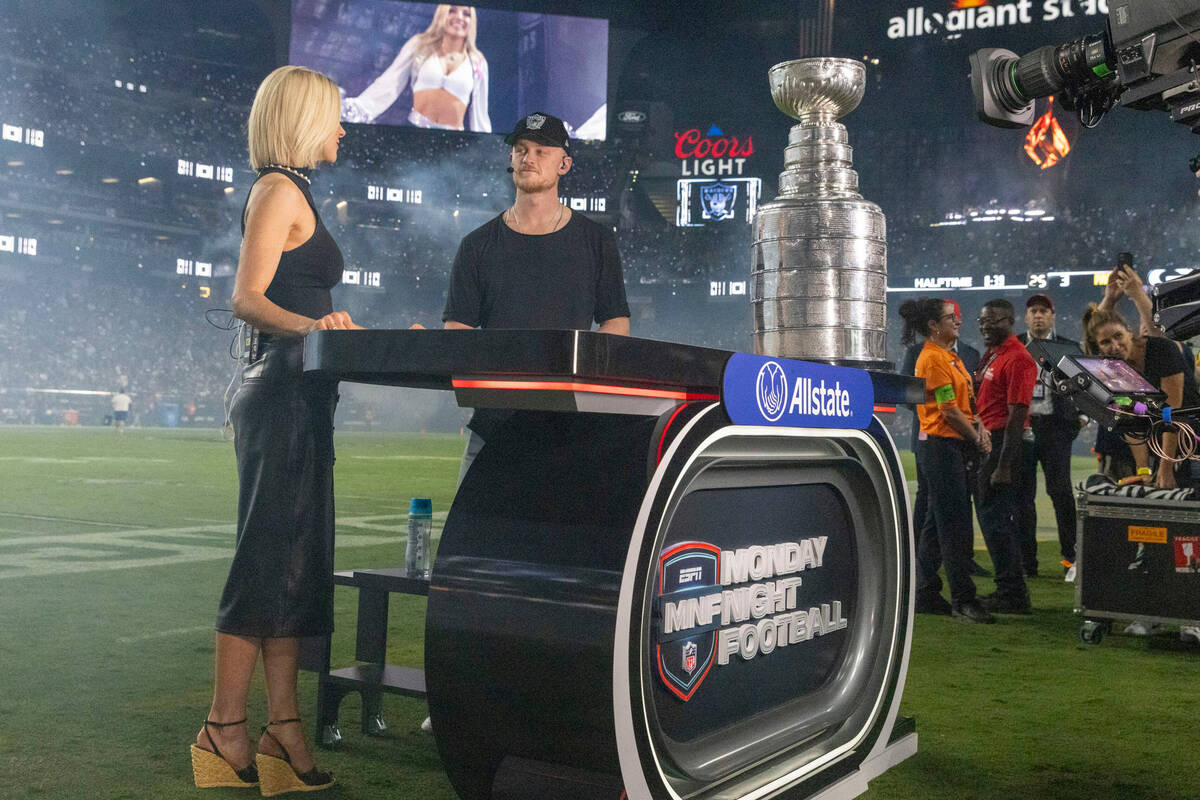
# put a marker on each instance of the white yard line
(164, 634)
(105, 551)
(71, 520)
(404, 457)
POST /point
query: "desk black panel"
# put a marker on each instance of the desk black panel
(518, 640)
(432, 359)
(428, 358)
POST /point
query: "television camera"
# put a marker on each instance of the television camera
(1147, 58)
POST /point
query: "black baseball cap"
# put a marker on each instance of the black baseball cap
(1040, 300)
(541, 128)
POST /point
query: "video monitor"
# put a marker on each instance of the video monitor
(450, 67)
(1116, 376)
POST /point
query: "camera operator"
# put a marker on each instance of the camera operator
(1159, 360)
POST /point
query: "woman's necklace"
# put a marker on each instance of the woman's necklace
(515, 223)
(292, 170)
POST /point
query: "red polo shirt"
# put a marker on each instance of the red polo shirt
(1006, 376)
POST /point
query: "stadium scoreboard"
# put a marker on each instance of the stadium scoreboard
(1052, 279)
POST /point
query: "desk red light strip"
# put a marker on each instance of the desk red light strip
(571, 386)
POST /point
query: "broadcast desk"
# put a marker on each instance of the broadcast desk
(672, 571)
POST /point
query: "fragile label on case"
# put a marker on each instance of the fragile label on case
(1187, 554)
(1142, 533)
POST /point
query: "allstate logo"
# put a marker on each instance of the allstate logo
(771, 391)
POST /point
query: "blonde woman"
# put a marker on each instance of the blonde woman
(280, 581)
(446, 72)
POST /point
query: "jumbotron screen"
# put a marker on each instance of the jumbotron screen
(451, 67)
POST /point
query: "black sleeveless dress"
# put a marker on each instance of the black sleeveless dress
(280, 582)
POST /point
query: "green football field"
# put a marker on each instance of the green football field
(113, 550)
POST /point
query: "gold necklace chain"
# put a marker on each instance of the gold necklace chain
(516, 223)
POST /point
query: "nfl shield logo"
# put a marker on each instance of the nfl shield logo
(684, 657)
(717, 200)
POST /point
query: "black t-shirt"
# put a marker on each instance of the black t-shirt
(1164, 359)
(561, 281)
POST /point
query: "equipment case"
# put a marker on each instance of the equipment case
(1137, 558)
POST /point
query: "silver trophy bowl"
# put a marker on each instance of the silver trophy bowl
(818, 89)
(819, 275)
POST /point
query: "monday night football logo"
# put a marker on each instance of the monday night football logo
(720, 607)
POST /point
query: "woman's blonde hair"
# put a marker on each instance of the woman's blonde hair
(1094, 318)
(295, 111)
(428, 41)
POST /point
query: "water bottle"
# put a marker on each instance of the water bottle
(417, 558)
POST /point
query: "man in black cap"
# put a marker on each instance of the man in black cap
(1055, 424)
(538, 264)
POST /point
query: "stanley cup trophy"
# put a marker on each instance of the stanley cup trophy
(819, 278)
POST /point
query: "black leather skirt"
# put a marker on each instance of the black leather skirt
(281, 580)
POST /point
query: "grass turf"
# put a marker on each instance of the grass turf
(113, 550)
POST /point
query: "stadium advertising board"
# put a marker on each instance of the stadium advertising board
(780, 391)
(715, 185)
(961, 16)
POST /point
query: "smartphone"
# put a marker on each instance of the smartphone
(1125, 259)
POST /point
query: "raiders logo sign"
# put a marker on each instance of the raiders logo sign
(718, 200)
